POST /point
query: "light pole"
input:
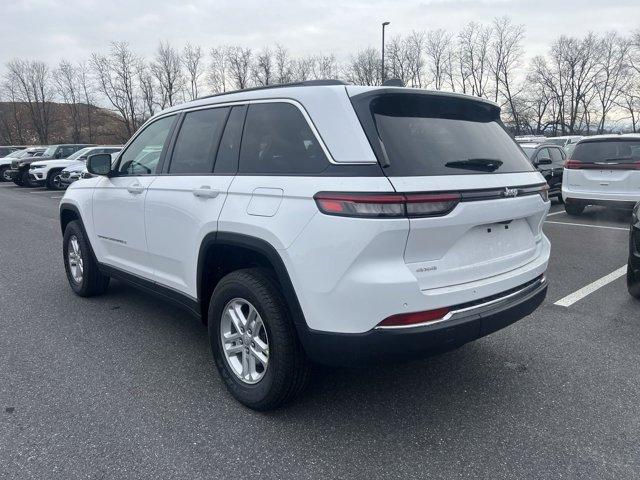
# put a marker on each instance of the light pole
(384, 24)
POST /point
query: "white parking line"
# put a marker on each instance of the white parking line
(590, 226)
(40, 191)
(592, 287)
(60, 196)
(555, 213)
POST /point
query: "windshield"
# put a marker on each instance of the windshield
(79, 153)
(50, 151)
(443, 135)
(612, 151)
(16, 154)
(529, 151)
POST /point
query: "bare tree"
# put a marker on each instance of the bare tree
(117, 81)
(67, 82)
(15, 123)
(614, 73)
(282, 65)
(438, 51)
(192, 60)
(302, 68)
(263, 68)
(167, 68)
(86, 91)
(473, 44)
(324, 66)
(217, 75)
(364, 67)
(239, 63)
(32, 80)
(148, 88)
(505, 56)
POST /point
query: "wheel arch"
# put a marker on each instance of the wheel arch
(253, 249)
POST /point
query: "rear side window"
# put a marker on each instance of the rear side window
(277, 139)
(440, 135)
(197, 141)
(618, 150)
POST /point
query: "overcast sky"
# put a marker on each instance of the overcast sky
(50, 29)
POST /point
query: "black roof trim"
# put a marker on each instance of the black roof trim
(306, 83)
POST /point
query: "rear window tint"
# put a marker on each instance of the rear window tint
(607, 150)
(434, 135)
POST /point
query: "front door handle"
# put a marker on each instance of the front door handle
(206, 191)
(136, 189)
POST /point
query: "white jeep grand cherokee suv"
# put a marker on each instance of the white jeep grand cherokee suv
(318, 222)
(603, 170)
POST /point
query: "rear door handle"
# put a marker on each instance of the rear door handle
(206, 191)
(136, 189)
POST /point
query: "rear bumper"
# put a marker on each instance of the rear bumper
(599, 198)
(604, 203)
(470, 323)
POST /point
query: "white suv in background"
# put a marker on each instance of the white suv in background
(602, 170)
(47, 172)
(318, 222)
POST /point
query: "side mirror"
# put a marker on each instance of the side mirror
(58, 154)
(544, 161)
(99, 164)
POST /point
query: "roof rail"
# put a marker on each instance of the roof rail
(305, 83)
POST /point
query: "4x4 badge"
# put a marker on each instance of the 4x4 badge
(510, 192)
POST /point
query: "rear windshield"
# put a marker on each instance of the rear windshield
(616, 150)
(433, 135)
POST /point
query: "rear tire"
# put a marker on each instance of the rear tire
(574, 209)
(633, 283)
(286, 372)
(82, 270)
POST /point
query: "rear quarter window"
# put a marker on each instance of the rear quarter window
(439, 135)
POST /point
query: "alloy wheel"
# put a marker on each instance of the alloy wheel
(244, 341)
(74, 257)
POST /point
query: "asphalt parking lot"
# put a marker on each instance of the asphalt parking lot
(123, 386)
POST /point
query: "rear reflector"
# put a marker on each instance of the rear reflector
(416, 318)
(385, 205)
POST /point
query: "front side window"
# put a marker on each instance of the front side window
(143, 154)
(278, 140)
(543, 154)
(66, 151)
(197, 142)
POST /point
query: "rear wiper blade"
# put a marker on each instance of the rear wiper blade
(478, 164)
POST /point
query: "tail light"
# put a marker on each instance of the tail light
(572, 164)
(413, 319)
(383, 205)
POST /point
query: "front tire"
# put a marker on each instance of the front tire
(254, 342)
(25, 180)
(574, 209)
(53, 180)
(4, 174)
(82, 270)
